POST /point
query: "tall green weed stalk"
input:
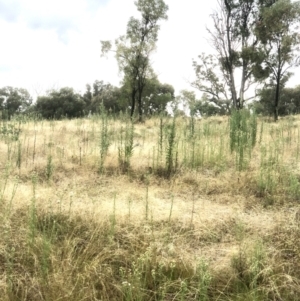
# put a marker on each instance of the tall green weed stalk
(243, 129)
(126, 146)
(204, 280)
(49, 168)
(9, 131)
(19, 155)
(4, 182)
(161, 135)
(32, 223)
(192, 127)
(171, 155)
(269, 170)
(104, 139)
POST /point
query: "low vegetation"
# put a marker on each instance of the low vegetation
(171, 209)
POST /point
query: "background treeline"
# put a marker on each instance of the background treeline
(67, 103)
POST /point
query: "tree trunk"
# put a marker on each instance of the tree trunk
(276, 98)
(133, 93)
(140, 107)
(278, 77)
(243, 83)
(233, 91)
(230, 55)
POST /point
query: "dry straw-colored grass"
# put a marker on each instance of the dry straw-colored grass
(207, 232)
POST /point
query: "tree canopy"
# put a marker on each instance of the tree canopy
(255, 41)
(279, 37)
(133, 49)
(13, 100)
(60, 104)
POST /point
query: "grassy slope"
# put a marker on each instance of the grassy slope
(205, 232)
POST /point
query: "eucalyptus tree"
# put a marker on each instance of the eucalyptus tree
(155, 96)
(13, 100)
(107, 95)
(59, 104)
(256, 41)
(235, 43)
(133, 49)
(208, 80)
(289, 101)
(278, 32)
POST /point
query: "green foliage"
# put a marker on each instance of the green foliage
(260, 39)
(188, 101)
(234, 41)
(293, 186)
(277, 32)
(104, 139)
(60, 104)
(87, 97)
(171, 154)
(289, 101)
(133, 49)
(9, 131)
(243, 129)
(13, 100)
(32, 212)
(208, 80)
(267, 181)
(49, 168)
(125, 149)
(155, 96)
(204, 280)
(160, 135)
(207, 106)
(103, 94)
(19, 155)
(250, 268)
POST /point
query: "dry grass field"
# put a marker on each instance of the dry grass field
(100, 209)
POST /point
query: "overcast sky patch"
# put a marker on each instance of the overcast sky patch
(94, 5)
(9, 10)
(7, 68)
(62, 16)
(62, 26)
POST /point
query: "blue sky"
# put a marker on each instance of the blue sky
(49, 44)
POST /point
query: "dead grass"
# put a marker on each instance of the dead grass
(207, 232)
